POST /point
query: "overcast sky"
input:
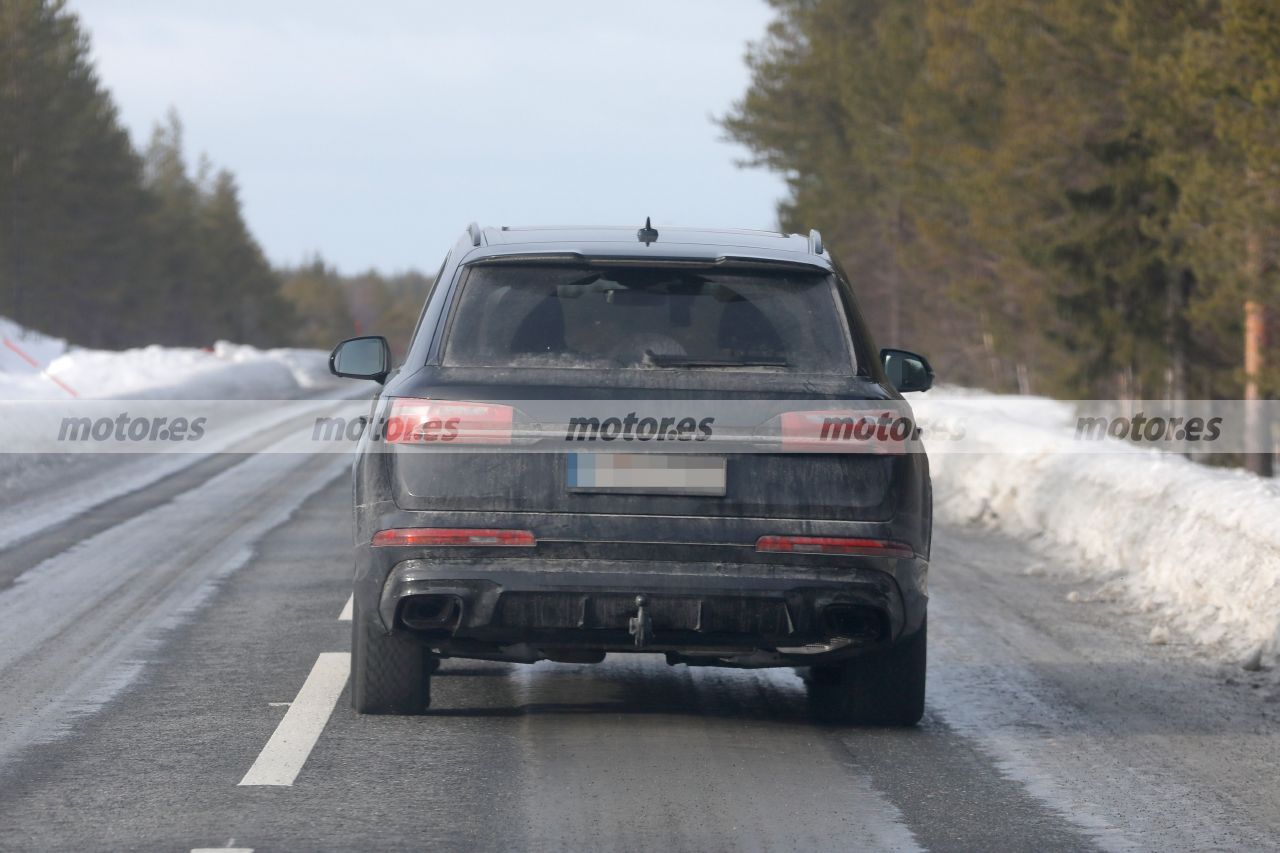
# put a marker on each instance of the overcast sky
(373, 133)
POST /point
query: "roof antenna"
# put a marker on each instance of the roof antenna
(648, 234)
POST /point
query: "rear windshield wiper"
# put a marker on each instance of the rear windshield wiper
(666, 360)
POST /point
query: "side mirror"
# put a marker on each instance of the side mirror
(361, 358)
(906, 370)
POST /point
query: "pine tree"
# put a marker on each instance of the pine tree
(71, 204)
(319, 304)
(242, 287)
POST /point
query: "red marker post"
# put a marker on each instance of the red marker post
(31, 361)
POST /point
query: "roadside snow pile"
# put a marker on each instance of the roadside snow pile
(1198, 545)
(36, 367)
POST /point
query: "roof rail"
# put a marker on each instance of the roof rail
(477, 236)
(815, 241)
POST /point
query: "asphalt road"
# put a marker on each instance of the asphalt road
(156, 650)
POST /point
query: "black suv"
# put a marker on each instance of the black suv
(616, 440)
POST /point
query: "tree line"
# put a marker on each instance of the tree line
(1050, 196)
(108, 246)
(330, 306)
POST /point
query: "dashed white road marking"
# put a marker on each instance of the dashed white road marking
(282, 758)
(221, 850)
(345, 615)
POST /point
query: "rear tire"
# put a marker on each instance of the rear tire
(882, 688)
(390, 673)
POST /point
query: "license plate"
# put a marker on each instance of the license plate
(646, 473)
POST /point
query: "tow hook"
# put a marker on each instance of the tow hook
(640, 626)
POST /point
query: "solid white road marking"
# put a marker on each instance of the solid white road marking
(282, 758)
(345, 615)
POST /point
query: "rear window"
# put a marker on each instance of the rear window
(601, 318)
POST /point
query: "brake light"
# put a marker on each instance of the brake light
(833, 545)
(444, 422)
(454, 537)
(846, 431)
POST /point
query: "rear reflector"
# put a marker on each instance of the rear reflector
(444, 422)
(833, 545)
(453, 537)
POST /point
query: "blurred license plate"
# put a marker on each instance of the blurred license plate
(647, 473)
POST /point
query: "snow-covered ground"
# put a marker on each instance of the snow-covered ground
(34, 491)
(37, 367)
(1197, 548)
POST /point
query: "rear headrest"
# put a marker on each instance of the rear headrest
(542, 329)
(745, 328)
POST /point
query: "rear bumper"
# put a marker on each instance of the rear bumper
(526, 607)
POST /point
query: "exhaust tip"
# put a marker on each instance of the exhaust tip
(431, 612)
(855, 622)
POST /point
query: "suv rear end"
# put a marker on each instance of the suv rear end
(604, 444)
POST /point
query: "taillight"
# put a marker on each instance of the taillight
(454, 537)
(846, 431)
(445, 422)
(833, 545)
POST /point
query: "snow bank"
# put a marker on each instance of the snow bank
(1198, 546)
(35, 367)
